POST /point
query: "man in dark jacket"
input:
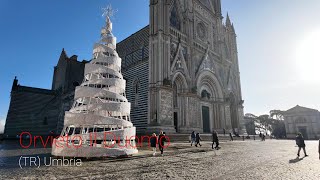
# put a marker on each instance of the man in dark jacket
(231, 138)
(161, 140)
(300, 143)
(215, 139)
(153, 143)
(198, 139)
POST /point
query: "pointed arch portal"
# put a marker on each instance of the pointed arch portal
(210, 92)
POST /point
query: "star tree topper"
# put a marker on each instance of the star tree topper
(108, 11)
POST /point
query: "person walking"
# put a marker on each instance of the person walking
(193, 138)
(215, 139)
(198, 139)
(224, 131)
(260, 135)
(300, 143)
(161, 140)
(319, 149)
(153, 143)
(231, 138)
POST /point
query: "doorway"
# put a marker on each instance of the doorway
(206, 119)
(175, 121)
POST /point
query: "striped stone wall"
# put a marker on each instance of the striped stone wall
(33, 110)
(134, 52)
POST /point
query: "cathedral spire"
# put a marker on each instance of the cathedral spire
(14, 84)
(232, 28)
(63, 54)
(228, 22)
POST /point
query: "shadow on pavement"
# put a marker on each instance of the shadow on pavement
(295, 160)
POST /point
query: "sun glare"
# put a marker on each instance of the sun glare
(308, 57)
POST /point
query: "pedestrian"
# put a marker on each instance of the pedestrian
(260, 135)
(224, 131)
(153, 142)
(161, 140)
(319, 149)
(193, 138)
(263, 137)
(215, 139)
(198, 139)
(300, 143)
(231, 138)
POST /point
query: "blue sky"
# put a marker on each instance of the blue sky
(275, 73)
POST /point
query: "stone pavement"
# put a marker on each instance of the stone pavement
(272, 159)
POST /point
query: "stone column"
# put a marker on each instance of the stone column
(227, 116)
(222, 116)
(242, 126)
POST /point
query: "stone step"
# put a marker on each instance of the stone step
(206, 137)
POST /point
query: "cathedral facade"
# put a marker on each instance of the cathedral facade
(181, 71)
(192, 68)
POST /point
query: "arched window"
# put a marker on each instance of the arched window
(175, 95)
(205, 94)
(174, 17)
(135, 88)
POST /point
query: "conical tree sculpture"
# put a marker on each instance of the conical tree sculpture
(98, 124)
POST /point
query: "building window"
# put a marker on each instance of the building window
(175, 95)
(205, 94)
(174, 17)
(136, 92)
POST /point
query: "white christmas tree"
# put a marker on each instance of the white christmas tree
(98, 124)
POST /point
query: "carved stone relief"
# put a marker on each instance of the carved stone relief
(201, 31)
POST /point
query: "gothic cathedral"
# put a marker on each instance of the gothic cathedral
(194, 78)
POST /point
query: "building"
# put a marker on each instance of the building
(182, 70)
(192, 68)
(304, 120)
(41, 111)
